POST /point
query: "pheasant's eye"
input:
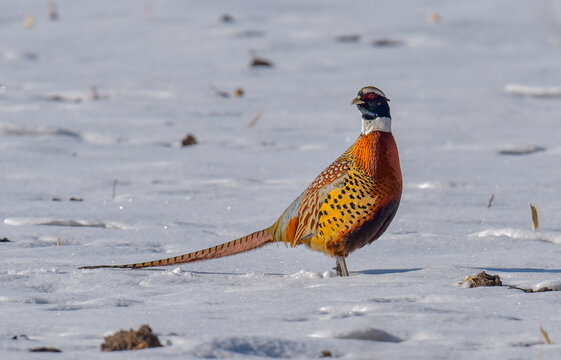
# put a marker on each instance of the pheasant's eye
(370, 96)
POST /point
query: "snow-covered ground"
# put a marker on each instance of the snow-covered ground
(484, 78)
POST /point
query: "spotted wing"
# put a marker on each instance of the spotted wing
(345, 210)
(300, 220)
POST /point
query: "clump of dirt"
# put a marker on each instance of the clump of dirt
(522, 150)
(188, 140)
(61, 98)
(260, 62)
(386, 43)
(481, 279)
(348, 38)
(131, 340)
(71, 199)
(326, 353)
(45, 349)
(239, 92)
(227, 18)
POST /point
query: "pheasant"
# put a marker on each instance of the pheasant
(349, 204)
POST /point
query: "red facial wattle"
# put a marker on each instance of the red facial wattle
(370, 97)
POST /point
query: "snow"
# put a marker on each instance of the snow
(550, 284)
(553, 237)
(537, 91)
(156, 66)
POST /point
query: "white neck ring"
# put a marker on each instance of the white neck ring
(377, 124)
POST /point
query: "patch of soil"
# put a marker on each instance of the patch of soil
(522, 151)
(188, 140)
(350, 38)
(61, 98)
(71, 199)
(238, 92)
(386, 43)
(45, 349)
(227, 18)
(481, 279)
(261, 62)
(131, 340)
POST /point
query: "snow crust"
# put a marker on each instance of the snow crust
(156, 68)
(536, 91)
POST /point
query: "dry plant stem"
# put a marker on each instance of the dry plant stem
(53, 13)
(535, 217)
(254, 120)
(114, 189)
(543, 289)
(545, 335)
(219, 92)
(491, 200)
(95, 93)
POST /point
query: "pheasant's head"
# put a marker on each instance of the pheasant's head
(373, 104)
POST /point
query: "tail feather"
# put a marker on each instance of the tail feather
(246, 243)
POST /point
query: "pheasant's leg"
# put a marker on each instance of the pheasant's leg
(341, 267)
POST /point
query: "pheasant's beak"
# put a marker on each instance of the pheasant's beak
(357, 101)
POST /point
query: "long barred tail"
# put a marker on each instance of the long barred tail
(246, 243)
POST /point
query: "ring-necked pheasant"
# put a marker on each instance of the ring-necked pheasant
(350, 204)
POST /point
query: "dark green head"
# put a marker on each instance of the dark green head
(372, 103)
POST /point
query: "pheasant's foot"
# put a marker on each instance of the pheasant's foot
(341, 266)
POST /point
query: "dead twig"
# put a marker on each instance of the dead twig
(114, 188)
(543, 289)
(53, 12)
(254, 120)
(219, 92)
(545, 335)
(491, 201)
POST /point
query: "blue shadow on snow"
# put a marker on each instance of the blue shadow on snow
(384, 271)
(523, 270)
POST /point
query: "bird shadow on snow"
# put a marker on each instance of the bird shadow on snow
(245, 274)
(384, 271)
(235, 273)
(199, 273)
(362, 272)
(523, 270)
